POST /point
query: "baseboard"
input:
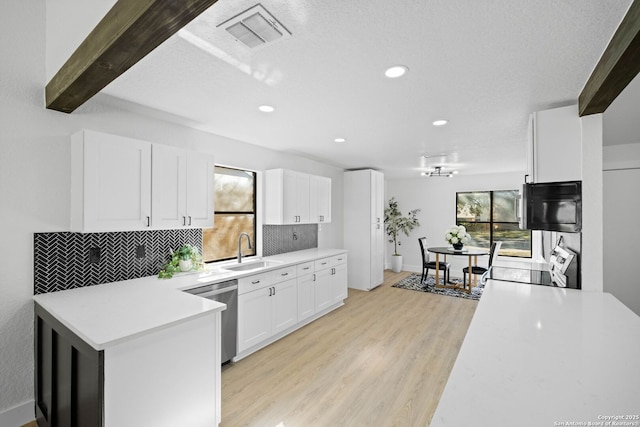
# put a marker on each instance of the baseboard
(18, 415)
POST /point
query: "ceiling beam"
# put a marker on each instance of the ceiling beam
(126, 34)
(619, 64)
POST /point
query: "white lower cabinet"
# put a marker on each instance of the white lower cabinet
(323, 291)
(284, 306)
(254, 318)
(331, 281)
(274, 303)
(306, 291)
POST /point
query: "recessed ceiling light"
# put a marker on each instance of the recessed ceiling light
(266, 108)
(396, 71)
(340, 140)
(440, 122)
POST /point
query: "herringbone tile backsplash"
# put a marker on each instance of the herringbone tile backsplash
(279, 239)
(61, 260)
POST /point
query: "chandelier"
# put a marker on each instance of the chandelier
(439, 172)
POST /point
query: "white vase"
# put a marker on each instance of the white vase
(185, 265)
(396, 263)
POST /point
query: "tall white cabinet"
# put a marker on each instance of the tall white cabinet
(364, 227)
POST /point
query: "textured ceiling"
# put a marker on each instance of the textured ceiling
(484, 66)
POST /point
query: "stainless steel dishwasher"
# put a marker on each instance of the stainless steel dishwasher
(226, 293)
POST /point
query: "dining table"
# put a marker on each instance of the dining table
(471, 253)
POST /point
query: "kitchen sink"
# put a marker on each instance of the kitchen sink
(250, 266)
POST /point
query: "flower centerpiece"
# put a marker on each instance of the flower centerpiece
(457, 236)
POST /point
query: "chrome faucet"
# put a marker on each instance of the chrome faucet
(240, 245)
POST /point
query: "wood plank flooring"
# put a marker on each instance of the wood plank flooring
(381, 360)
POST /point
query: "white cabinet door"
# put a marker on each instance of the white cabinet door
(306, 296)
(295, 197)
(284, 306)
(254, 318)
(377, 196)
(377, 255)
(320, 199)
(111, 183)
(169, 186)
(200, 189)
(323, 289)
(556, 151)
(182, 190)
(339, 282)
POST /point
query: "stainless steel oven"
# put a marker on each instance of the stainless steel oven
(226, 293)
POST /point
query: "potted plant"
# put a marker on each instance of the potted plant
(186, 258)
(395, 224)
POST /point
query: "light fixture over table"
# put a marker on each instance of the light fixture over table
(439, 172)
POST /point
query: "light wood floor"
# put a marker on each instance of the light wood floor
(381, 360)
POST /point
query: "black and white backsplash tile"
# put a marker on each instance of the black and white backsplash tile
(62, 260)
(279, 239)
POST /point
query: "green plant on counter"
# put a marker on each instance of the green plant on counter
(184, 253)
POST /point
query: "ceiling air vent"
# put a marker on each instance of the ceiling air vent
(255, 27)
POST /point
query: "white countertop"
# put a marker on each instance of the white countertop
(544, 356)
(107, 314)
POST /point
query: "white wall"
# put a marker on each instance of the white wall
(436, 197)
(592, 235)
(621, 231)
(35, 180)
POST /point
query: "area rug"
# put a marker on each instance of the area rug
(412, 282)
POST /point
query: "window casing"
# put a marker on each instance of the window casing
(235, 213)
(492, 216)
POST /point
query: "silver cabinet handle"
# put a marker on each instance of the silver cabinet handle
(314, 277)
(306, 268)
(184, 220)
(189, 219)
(270, 291)
(284, 274)
(148, 221)
(255, 282)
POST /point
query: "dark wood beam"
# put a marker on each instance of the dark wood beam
(619, 64)
(126, 34)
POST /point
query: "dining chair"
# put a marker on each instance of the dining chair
(426, 264)
(476, 269)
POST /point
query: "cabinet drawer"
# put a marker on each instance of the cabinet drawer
(304, 269)
(282, 274)
(321, 264)
(338, 259)
(266, 279)
(255, 281)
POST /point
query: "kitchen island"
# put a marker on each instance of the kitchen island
(545, 356)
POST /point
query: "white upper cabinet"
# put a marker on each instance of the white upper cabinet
(200, 189)
(555, 145)
(124, 184)
(288, 198)
(320, 198)
(110, 183)
(182, 188)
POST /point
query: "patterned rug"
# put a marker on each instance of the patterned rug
(412, 282)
